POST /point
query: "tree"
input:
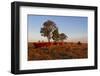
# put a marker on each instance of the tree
(55, 35)
(79, 43)
(47, 29)
(62, 36)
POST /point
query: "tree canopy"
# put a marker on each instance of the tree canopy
(47, 29)
(55, 35)
(62, 36)
(51, 31)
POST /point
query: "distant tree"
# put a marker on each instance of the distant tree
(47, 29)
(62, 36)
(39, 41)
(55, 35)
(79, 43)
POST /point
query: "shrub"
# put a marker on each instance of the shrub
(79, 43)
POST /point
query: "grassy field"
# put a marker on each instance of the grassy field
(52, 52)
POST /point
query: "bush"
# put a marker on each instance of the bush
(79, 43)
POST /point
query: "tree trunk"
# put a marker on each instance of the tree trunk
(48, 39)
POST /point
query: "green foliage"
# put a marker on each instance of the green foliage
(47, 29)
(62, 36)
(44, 32)
(50, 30)
(55, 36)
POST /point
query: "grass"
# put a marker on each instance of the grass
(52, 52)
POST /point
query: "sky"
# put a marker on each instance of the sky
(75, 27)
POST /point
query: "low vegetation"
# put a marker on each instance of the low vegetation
(54, 51)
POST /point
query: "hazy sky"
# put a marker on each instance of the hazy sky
(75, 27)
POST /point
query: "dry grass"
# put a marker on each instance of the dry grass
(65, 51)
